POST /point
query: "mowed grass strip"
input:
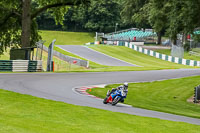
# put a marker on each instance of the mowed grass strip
(27, 114)
(166, 96)
(66, 38)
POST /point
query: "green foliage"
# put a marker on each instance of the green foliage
(173, 16)
(134, 13)
(196, 38)
(103, 15)
(46, 21)
(98, 16)
(11, 19)
(187, 46)
(9, 24)
(157, 14)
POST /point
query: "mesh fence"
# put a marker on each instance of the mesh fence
(177, 51)
(69, 59)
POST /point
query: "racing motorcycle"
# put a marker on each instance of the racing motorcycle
(115, 97)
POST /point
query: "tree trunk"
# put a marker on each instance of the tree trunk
(159, 41)
(26, 24)
(174, 40)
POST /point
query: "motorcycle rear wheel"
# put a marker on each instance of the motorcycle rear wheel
(105, 100)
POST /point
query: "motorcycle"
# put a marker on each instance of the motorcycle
(114, 97)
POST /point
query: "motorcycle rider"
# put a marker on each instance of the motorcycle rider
(121, 87)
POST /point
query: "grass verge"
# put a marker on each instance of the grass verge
(167, 96)
(66, 38)
(5, 55)
(28, 114)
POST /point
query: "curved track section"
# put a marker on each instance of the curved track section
(58, 86)
(94, 56)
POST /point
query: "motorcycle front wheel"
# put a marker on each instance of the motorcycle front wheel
(116, 100)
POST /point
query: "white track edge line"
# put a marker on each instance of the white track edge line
(112, 57)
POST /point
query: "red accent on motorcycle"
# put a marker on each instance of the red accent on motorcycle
(109, 99)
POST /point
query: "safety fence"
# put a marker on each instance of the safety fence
(20, 66)
(153, 53)
(69, 59)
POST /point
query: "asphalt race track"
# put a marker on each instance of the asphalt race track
(58, 86)
(94, 56)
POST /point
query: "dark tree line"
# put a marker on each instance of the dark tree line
(169, 17)
(100, 16)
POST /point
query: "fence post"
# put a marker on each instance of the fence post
(50, 56)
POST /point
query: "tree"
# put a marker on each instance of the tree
(146, 14)
(17, 19)
(98, 16)
(103, 15)
(177, 17)
(183, 17)
(157, 15)
(133, 13)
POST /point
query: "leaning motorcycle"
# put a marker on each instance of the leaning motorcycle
(114, 97)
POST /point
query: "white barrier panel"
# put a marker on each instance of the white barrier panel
(176, 59)
(138, 43)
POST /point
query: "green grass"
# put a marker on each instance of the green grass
(67, 38)
(167, 96)
(5, 55)
(27, 114)
(186, 54)
(134, 57)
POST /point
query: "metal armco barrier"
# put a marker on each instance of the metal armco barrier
(69, 59)
(79, 62)
(20, 66)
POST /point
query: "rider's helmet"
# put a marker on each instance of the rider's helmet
(125, 85)
(120, 87)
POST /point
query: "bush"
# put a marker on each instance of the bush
(187, 46)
